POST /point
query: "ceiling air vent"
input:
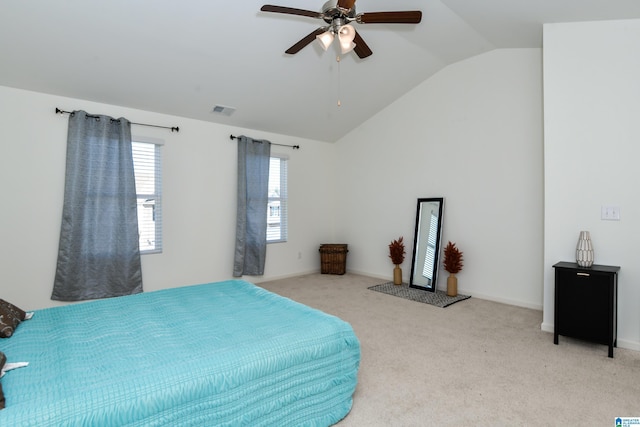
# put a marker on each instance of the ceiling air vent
(223, 109)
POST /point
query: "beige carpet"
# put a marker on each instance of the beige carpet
(475, 363)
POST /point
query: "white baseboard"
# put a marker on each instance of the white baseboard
(547, 327)
(501, 300)
(629, 345)
(375, 276)
(260, 279)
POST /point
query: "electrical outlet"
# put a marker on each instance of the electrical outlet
(610, 213)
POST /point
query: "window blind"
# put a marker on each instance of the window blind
(429, 259)
(148, 173)
(277, 214)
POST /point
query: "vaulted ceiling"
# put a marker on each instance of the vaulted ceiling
(183, 58)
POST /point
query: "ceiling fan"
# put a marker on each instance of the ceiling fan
(339, 16)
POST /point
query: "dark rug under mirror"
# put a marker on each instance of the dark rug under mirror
(437, 298)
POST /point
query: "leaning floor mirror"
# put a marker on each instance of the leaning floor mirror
(426, 244)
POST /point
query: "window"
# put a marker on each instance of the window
(277, 208)
(147, 166)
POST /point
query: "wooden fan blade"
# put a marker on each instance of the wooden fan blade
(305, 41)
(346, 4)
(406, 17)
(290, 11)
(361, 49)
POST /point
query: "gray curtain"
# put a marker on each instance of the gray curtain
(98, 255)
(251, 226)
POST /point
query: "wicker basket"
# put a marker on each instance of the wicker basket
(333, 258)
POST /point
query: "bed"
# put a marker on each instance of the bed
(219, 354)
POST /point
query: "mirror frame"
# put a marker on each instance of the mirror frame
(414, 262)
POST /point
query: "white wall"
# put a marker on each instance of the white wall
(473, 135)
(199, 198)
(592, 134)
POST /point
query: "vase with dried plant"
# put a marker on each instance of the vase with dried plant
(396, 253)
(453, 264)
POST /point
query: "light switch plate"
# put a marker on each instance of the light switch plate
(610, 213)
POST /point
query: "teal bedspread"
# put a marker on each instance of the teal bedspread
(219, 354)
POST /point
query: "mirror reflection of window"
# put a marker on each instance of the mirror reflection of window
(429, 259)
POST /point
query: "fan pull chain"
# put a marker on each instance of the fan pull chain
(339, 82)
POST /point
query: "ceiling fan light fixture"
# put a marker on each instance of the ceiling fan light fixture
(346, 34)
(325, 39)
(347, 47)
(338, 14)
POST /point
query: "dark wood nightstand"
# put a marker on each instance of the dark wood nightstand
(586, 303)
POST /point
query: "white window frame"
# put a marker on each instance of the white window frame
(151, 200)
(278, 202)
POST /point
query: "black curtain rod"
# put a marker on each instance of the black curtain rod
(295, 147)
(173, 129)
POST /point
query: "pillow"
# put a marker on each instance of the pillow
(10, 317)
